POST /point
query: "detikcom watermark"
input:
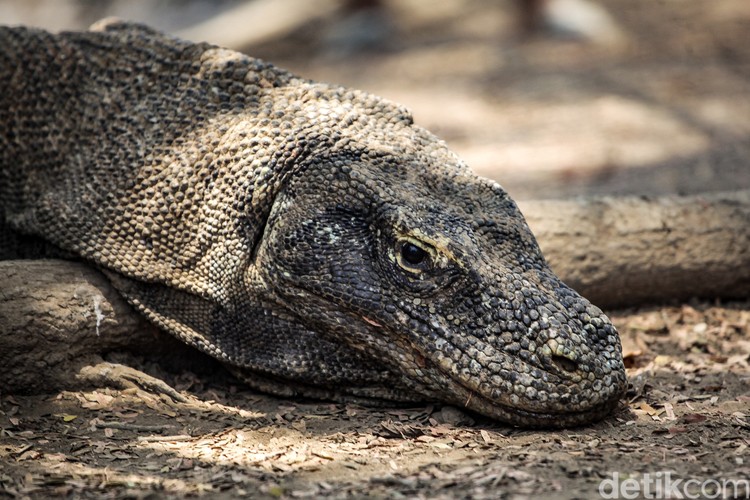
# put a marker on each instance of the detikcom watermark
(661, 485)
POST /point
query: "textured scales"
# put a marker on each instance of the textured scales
(307, 235)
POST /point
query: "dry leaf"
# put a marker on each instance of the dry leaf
(692, 418)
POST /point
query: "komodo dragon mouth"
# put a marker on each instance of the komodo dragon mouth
(531, 401)
(526, 412)
(515, 412)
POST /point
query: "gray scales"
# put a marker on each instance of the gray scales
(309, 236)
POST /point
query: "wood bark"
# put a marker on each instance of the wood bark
(631, 250)
(58, 318)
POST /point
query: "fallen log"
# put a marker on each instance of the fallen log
(58, 318)
(629, 250)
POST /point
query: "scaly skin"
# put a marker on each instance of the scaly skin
(309, 236)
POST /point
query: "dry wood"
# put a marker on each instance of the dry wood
(56, 319)
(625, 251)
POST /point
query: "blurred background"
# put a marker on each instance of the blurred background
(551, 98)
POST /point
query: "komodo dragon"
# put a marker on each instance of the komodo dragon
(308, 236)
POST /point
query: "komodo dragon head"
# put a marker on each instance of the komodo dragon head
(312, 237)
(382, 240)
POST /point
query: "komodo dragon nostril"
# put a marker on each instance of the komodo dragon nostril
(564, 363)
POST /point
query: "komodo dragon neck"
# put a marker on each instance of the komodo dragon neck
(309, 236)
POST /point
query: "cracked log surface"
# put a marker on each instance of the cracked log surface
(58, 318)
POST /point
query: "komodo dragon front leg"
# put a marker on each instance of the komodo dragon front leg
(310, 237)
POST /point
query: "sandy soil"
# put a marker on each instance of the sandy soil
(666, 112)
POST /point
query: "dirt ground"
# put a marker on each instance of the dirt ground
(665, 112)
(687, 413)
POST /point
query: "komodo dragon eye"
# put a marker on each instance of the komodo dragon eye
(413, 255)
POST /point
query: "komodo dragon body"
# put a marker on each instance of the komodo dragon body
(307, 235)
